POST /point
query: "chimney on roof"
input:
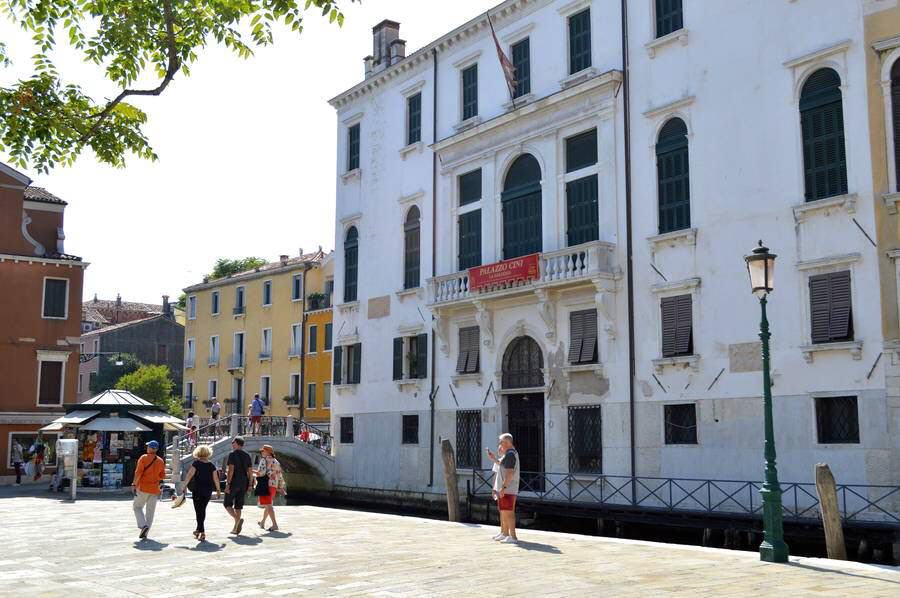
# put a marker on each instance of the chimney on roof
(384, 34)
(118, 300)
(301, 252)
(166, 307)
(284, 259)
(398, 50)
(95, 297)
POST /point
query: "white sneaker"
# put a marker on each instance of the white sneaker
(509, 540)
(499, 537)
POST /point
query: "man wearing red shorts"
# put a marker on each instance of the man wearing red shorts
(506, 488)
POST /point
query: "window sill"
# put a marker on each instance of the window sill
(891, 201)
(456, 379)
(342, 388)
(519, 102)
(212, 364)
(681, 35)
(691, 361)
(189, 366)
(348, 307)
(294, 355)
(413, 382)
(687, 236)
(467, 124)
(809, 208)
(579, 77)
(412, 148)
(596, 368)
(350, 175)
(854, 347)
(413, 292)
(266, 358)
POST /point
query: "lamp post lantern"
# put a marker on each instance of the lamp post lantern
(761, 267)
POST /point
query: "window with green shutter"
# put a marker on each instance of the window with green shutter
(822, 125)
(582, 212)
(581, 150)
(411, 230)
(579, 41)
(677, 326)
(467, 362)
(410, 357)
(56, 291)
(521, 200)
(351, 264)
(469, 240)
(830, 307)
(336, 358)
(470, 92)
(353, 147)
(470, 187)
(398, 359)
(521, 59)
(669, 17)
(673, 177)
(583, 336)
(414, 119)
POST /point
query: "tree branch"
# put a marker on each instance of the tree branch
(174, 63)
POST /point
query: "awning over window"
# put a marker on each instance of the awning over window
(115, 424)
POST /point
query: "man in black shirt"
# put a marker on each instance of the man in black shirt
(237, 482)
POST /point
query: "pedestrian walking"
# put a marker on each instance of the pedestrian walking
(506, 487)
(257, 409)
(215, 409)
(148, 473)
(192, 437)
(201, 480)
(239, 472)
(269, 482)
(37, 453)
(18, 463)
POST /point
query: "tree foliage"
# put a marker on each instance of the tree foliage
(46, 121)
(226, 267)
(153, 383)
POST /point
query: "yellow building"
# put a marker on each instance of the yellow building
(247, 334)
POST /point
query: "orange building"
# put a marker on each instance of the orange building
(40, 315)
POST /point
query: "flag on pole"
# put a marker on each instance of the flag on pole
(509, 71)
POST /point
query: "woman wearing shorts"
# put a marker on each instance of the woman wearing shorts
(270, 467)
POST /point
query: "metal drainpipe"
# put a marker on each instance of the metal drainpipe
(628, 241)
(433, 256)
(306, 269)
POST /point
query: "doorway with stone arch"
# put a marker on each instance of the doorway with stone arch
(523, 368)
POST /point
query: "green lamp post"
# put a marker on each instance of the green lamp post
(761, 267)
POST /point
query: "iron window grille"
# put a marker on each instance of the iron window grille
(585, 445)
(351, 264)
(414, 119)
(579, 41)
(837, 420)
(468, 439)
(467, 361)
(346, 430)
(523, 364)
(583, 336)
(822, 125)
(681, 424)
(470, 239)
(669, 17)
(411, 236)
(353, 148)
(830, 307)
(677, 326)
(470, 92)
(410, 429)
(521, 59)
(673, 177)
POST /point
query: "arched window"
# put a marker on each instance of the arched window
(351, 264)
(522, 208)
(895, 117)
(822, 124)
(673, 177)
(523, 364)
(411, 249)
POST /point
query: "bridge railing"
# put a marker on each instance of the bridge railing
(800, 502)
(212, 431)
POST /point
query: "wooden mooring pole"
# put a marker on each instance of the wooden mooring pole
(831, 514)
(449, 459)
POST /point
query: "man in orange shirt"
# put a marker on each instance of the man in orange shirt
(150, 471)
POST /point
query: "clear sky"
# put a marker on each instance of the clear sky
(247, 164)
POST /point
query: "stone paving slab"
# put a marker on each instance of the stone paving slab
(56, 548)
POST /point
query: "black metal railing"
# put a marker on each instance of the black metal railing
(857, 502)
(239, 310)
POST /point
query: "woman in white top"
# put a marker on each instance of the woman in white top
(270, 467)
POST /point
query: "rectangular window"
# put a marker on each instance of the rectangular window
(239, 301)
(585, 446)
(50, 390)
(468, 439)
(837, 420)
(296, 341)
(265, 387)
(582, 211)
(162, 353)
(265, 350)
(581, 150)
(26, 441)
(313, 338)
(192, 308)
(470, 92)
(681, 424)
(213, 350)
(470, 239)
(311, 396)
(414, 119)
(347, 364)
(80, 383)
(677, 326)
(328, 338)
(96, 345)
(215, 303)
(579, 41)
(467, 362)
(329, 291)
(188, 390)
(213, 389)
(326, 395)
(583, 336)
(294, 391)
(92, 381)
(190, 352)
(668, 17)
(410, 429)
(237, 358)
(830, 307)
(410, 357)
(470, 187)
(521, 59)
(353, 148)
(267, 293)
(346, 430)
(297, 287)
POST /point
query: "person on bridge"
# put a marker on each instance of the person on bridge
(237, 481)
(148, 473)
(203, 474)
(257, 409)
(215, 409)
(506, 488)
(269, 481)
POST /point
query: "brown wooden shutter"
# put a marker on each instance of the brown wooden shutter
(473, 349)
(576, 335)
(51, 381)
(668, 310)
(589, 336)
(820, 308)
(684, 335)
(840, 325)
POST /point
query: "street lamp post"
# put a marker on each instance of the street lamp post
(761, 267)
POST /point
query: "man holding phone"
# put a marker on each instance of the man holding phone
(506, 487)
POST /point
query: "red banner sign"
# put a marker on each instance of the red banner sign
(503, 273)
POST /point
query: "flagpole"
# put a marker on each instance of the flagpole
(500, 57)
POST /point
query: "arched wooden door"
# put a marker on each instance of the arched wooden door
(523, 367)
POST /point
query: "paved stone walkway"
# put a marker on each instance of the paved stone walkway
(54, 548)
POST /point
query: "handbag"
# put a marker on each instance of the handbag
(262, 486)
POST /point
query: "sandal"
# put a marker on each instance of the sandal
(274, 528)
(202, 537)
(261, 525)
(196, 533)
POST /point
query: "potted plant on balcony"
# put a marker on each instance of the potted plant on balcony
(291, 401)
(316, 300)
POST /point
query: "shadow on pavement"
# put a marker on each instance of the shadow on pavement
(151, 545)
(203, 546)
(246, 540)
(277, 535)
(836, 572)
(539, 547)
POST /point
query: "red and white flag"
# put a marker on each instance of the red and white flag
(509, 71)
